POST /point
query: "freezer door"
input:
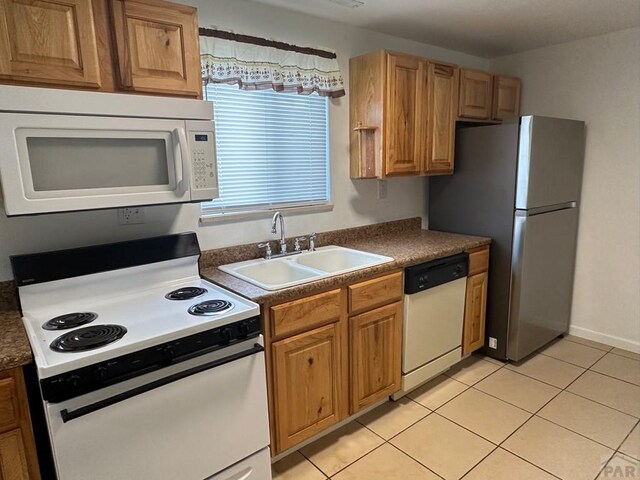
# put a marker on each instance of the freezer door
(550, 161)
(541, 278)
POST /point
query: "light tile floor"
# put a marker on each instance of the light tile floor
(570, 412)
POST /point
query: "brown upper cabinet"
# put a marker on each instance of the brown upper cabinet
(442, 83)
(148, 46)
(486, 97)
(51, 42)
(475, 94)
(402, 115)
(157, 46)
(506, 97)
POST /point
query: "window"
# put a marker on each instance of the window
(272, 149)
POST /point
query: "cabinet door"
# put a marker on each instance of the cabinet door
(404, 114)
(474, 313)
(48, 41)
(506, 97)
(442, 83)
(13, 461)
(375, 346)
(157, 47)
(475, 96)
(308, 375)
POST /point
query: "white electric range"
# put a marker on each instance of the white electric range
(145, 370)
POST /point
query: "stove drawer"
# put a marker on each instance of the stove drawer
(256, 467)
(187, 429)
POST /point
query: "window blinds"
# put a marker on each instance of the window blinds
(272, 149)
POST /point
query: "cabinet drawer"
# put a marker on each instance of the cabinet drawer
(9, 413)
(479, 261)
(376, 292)
(305, 313)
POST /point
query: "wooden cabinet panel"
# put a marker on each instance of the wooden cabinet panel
(478, 261)
(475, 95)
(375, 292)
(18, 458)
(404, 114)
(13, 464)
(475, 313)
(9, 410)
(506, 97)
(308, 384)
(305, 313)
(48, 41)
(443, 98)
(157, 46)
(366, 93)
(374, 351)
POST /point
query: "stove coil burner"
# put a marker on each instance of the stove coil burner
(186, 293)
(210, 307)
(70, 320)
(88, 338)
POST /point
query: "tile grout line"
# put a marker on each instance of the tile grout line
(356, 460)
(616, 378)
(637, 425)
(575, 364)
(414, 459)
(579, 343)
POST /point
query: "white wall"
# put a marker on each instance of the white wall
(597, 80)
(355, 201)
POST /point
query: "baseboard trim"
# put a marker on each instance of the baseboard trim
(612, 340)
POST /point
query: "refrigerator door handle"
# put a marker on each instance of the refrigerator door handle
(546, 209)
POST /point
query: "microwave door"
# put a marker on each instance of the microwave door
(65, 163)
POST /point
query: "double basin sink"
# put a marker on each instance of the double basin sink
(300, 268)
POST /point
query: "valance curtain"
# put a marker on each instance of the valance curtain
(256, 63)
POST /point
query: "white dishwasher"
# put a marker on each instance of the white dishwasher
(433, 318)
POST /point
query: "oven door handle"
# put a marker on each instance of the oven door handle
(68, 415)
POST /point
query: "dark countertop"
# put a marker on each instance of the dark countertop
(408, 246)
(14, 344)
(402, 240)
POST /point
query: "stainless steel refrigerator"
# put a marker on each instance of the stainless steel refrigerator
(519, 184)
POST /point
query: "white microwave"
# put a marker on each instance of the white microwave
(65, 150)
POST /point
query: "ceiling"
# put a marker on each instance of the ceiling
(487, 28)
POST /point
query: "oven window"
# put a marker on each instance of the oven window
(59, 163)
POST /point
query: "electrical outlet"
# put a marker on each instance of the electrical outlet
(382, 189)
(131, 216)
(493, 343)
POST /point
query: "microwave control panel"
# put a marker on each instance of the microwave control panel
(204, 170)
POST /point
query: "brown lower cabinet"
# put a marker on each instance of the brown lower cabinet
(476, 301)
(18, 459)
(375, 340)
(308, 381)
(346, 358)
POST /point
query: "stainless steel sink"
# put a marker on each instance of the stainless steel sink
(304, 267)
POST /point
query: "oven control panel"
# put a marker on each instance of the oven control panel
(94, 377)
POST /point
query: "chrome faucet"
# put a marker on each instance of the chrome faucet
(274, 229)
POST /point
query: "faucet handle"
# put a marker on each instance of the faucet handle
(296, 245)
(267, 250)
(312, 241)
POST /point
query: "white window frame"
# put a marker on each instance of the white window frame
(216, 214)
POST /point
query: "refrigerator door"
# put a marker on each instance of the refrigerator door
(550, 158)
(542, 268)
